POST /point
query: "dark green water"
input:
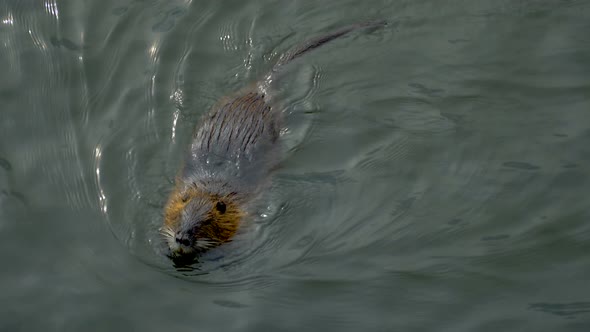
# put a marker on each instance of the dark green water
(436, 180)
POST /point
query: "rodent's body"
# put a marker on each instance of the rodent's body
(233, 151)
(231, 154)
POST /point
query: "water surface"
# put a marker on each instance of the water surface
(435, 176)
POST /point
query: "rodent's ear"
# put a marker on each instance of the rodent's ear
(220, 206)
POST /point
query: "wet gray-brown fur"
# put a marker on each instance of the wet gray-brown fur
(234, 147)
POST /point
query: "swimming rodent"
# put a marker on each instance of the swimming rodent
(233, 151)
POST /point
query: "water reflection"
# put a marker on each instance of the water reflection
(101, 195)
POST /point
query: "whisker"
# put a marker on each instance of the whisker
(166, 232)
(206, 243)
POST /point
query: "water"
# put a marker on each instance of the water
(435, 180)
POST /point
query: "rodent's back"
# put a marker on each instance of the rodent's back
(234, 144)
(237, 127)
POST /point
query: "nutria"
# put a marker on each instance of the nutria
(233, 151)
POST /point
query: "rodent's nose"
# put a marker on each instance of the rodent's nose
(182, 240)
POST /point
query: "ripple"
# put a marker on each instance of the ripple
(101, 194)
(168, 19)
(178, 87)
(299, 111)
(572, 309)
(229, 36)
(520, 165)
(387, 151)
(120, 10)
(495, 237)
(417, 115)
(5, 164)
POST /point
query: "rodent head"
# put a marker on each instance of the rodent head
(195, 221)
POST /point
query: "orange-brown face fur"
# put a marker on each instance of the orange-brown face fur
(195, 221)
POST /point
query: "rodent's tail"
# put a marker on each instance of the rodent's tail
(319, 41)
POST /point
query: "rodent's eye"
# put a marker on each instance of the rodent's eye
(220, 206)
(185, 197)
